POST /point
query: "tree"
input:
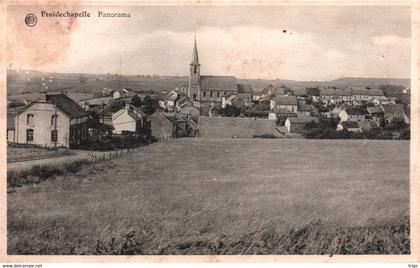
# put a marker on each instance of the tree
(230, 111)
(136, 101)
(149, 105)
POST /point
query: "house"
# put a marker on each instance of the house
(304, 110)
(168, 102)
(52, 120)
(297, 124)
(161, 126)
(351, 114)
(282, 114)
(182, 88)
(300, 91)
(367, 125)
(228, 100)
(288, 102)
(235, 127)
(245, 93)
(393, 111)
(275, 91)
(94, 104)
(326, 94)
(376, 113)
(190, 110)
(352, 126)
(128, 119)
(120, 93)
(11, 128)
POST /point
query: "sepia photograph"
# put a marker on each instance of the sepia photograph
(208, 130)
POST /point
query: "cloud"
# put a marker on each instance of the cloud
(247, 50)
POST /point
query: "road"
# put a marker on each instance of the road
(79, 155)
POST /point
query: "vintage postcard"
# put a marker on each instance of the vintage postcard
(209, 132)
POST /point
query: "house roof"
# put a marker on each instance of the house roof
(393, 108)
(368, 92)
(286, 100)
(352, 111)
(276, 90)
(244, 88)
(218, 83)
(228, 127)
(67, 105)
(303, 119)
(326, 92)
(305, 108)
(97, 101)
(299, 91)
(285, 112)
(367, 125)
(136, 114)
(375, 110)
(342, 92)
(350, 124)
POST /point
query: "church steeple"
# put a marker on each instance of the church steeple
(194, 85)
(195, 52)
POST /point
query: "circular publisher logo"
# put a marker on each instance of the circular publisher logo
(31, 20)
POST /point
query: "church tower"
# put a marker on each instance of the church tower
(194, 84)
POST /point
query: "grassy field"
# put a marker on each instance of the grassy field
(16, 153)
(233, 196)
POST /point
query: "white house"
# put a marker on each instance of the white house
(129, 119)
(52, 120)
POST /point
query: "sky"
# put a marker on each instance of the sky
(271, 42)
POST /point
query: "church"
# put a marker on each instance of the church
(208, 90)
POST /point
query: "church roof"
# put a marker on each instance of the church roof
(218, 83)
(244, 88)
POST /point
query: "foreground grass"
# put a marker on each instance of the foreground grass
(223, 197)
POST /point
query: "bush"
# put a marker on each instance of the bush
(39, 173)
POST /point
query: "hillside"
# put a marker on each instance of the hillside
(224, 196)
(25, 82)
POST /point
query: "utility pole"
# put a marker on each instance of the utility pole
(119, 79)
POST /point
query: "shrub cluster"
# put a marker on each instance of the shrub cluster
(39, 173)
(112, 143)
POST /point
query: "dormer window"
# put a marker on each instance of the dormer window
(29, 119)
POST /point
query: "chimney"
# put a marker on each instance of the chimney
(44, 95)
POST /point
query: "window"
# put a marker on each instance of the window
(224, 93)
(29, 135)
(211, 94)
(204, 94)
(54, 120)
(218, 94)
(30, 119)
(195, 69)
(54, 135)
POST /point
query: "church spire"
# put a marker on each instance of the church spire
(195, 52)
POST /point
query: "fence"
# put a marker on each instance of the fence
(102, 156)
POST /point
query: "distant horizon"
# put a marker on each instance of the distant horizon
(241, 78)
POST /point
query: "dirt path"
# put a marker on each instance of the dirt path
(79, 155)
